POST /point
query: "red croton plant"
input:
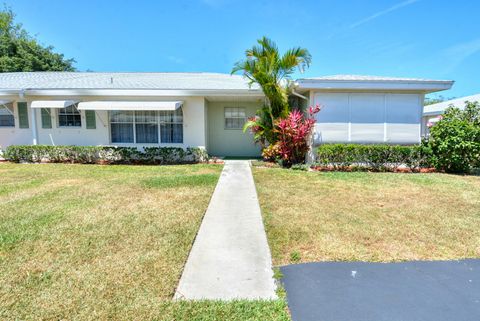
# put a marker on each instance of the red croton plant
(293, 134)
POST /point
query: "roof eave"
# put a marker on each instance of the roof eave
(9, 92)
(433, 112)
(420, 86)
(136, 92)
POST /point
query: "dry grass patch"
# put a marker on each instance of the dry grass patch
(96, 242)
(369, 216)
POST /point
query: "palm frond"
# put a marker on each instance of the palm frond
(295, 57)
(264, 65)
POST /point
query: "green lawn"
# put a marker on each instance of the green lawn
(334, 216)
(89, 242)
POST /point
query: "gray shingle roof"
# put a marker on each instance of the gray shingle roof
(123, 80)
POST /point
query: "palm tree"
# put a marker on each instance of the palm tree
(272, 72)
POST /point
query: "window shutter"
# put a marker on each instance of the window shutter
(46, 119)
(90, 118)
(22, 115)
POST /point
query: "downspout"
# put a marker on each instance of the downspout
(34, 125)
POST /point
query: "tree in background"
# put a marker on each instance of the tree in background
(436, 100)
(455, 139)
(265, 66)
(19, 51)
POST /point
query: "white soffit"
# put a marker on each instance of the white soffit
(52, 103)
(130, 105)
(4, 102)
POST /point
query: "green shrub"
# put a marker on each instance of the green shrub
(373, 157)
(104, 155)
(455, 139)
(300, 167)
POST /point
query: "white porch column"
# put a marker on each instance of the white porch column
(195, 122)
(34, 124)
(310, 157)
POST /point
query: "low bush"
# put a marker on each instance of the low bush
(373, 157)
(293, 135)
(271, 152)
(104, 154)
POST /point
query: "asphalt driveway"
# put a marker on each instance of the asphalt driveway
(359, 291)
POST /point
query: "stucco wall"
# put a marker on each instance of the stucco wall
(15, 135)
(393, 118)
(230, 142)
(194, 125)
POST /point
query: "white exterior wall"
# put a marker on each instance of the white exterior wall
(73, 135)
(230, 142)
(393, 118)
(194, 122)
(16, 135)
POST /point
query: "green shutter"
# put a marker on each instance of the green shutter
(90, 118)
(22, 115)
(46, 119)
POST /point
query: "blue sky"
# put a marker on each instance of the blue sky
(406, 38)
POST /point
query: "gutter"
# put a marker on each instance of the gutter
(298, 95)
(22, 93)
(417, 86)
(141, 92)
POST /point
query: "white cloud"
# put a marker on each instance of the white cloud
(383, 12)
(176, 60)
(456, 54)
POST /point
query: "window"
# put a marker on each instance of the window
(171, 126)
(235, 117)
(69, 117)
(6, 117)
(121, 126)
(46, 119)
(145, 127)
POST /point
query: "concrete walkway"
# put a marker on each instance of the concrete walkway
(230, 258)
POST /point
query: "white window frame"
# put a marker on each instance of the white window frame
(59, 111)
(134, 123)
(117, 122)
(169, 123)
(234, 109)
(9, 112)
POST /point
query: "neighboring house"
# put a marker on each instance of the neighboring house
(205, 110)
(432, 112)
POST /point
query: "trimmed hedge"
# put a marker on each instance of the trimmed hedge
(104, 155)
(373, 157)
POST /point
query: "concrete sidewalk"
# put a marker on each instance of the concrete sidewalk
(230, 258)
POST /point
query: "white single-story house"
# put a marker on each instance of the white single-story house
(432, 112)
(204, 110)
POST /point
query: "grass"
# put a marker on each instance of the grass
(89, 242)
(381, 217)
